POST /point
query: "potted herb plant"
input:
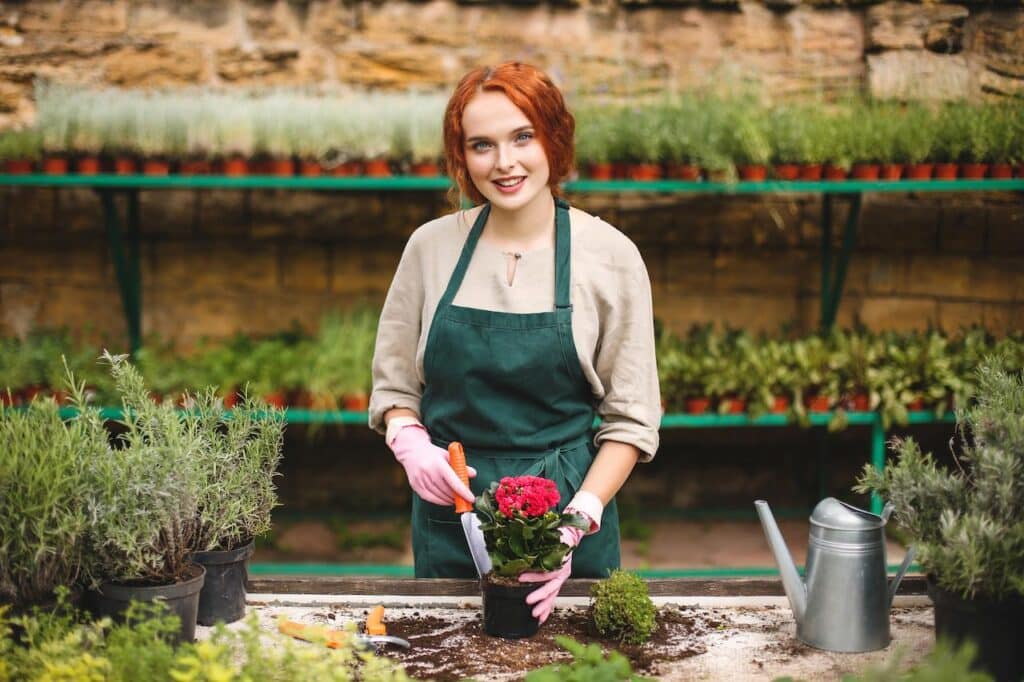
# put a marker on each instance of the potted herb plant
(520, 525)
(240, 452)
(594, 130)
(967, 521)
(425, 134)
(143, 506)
(20, 150)
(913, 145)
(681, 139)
(234, 135)
(950, 140)
(748, 142)
(54, 120)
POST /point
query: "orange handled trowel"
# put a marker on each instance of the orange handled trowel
(470, 522)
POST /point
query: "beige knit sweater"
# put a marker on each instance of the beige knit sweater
(612, 317)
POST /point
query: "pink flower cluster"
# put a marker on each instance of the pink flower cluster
(529, 495)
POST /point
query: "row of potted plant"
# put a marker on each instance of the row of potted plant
(702, 135)
(704, 371)
(696, 135)
(328, 370)
(169, 510)
(858, 370)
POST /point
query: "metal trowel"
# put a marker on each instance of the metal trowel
(470, 522)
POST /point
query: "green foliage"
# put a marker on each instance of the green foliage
(59, 645)
(342, 356)
(43, 496)
(621, 608)
(518, 544)
(915, 135)
(595, 135)
(20, 145)
(589, 664)
(967, 524)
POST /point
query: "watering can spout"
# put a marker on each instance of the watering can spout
(791, 581)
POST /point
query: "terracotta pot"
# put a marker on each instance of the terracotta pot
(235, 167)
(276, 399)
(347, 169)
(356, 402)
(282, 168)
(376, 168)
(1020, 170)
(87, 165)
(1001, 171)
(916, 405)
(156, 167)
(426, 169)
(865, 171)
(835, 173)
(752, 172)
(644, 171)
(194, 167)
(599, 171)
(231, 398)
(810, 172)
(124, 165)
(920, 171)
(18, 166)
(891, 171)
(817, 403)
(780, 404)
(310, 169)
(55, 165)
(973, 171)
(684, 171)
(698, 405)
(620, 170)
(735, 405)
(786, 171)
(860, 402)
(946, 171)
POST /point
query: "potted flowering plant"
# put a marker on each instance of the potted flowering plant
(520, 525)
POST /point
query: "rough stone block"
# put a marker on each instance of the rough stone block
(898, 313)
(40, 262)
(207, 266)
(20, 304)
(154, 66)
(775, 272)
(939, 275)
(898, 225)
(272, 22)
(685, 272)
(95, 16)
(954, 316)
(165, 213)
(363, 273)
(305, 268)
(745, 311)
(997, 279)
(77, 307)
(1003, 318)
(902, 25)
(1006, 228)
(210, 23)
(997, 44)
(915, 74)
(29, 210)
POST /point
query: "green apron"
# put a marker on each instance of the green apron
(509, 387)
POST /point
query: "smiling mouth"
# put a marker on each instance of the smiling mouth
(510, 182)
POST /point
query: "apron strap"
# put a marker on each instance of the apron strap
(563, 251)
(455, 281)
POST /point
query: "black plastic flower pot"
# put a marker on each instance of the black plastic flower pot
(506, 613)
(181, 598)
(222, 598)
(993, 626)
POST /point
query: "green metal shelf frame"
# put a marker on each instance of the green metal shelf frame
(126, 260)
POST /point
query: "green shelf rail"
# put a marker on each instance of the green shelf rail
(126, 260)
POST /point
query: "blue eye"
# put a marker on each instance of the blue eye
(523, 137)
(481, 146)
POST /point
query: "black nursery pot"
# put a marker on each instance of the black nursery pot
(181, 598)
(506, 613)
(994, 626)
(223, 595)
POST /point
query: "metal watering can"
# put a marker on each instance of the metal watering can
(843, 603)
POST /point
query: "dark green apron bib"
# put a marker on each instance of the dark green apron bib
(509, 387)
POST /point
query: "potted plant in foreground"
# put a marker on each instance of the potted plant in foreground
(968, 522)
(143, 506)
(520, 526)
(239, 456)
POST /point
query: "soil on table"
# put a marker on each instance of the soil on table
(443, 650)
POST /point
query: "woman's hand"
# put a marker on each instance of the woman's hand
(427, 468)
(543, 598)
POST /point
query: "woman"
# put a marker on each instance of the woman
(507, 327)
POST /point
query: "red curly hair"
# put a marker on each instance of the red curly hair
(532, 91)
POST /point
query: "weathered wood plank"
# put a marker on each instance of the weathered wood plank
(443, 587)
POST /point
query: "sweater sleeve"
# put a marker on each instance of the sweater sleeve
(625, 363)
(396, 382)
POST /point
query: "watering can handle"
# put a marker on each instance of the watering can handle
(886, 511)
(900, 573)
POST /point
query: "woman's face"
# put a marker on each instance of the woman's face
(505, 160)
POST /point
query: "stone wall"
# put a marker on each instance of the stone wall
(217, 262)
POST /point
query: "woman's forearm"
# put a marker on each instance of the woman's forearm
(610, 469)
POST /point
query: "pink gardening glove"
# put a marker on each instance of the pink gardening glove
(427, 467)
(544, 596)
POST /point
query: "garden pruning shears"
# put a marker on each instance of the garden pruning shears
(373, 636)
